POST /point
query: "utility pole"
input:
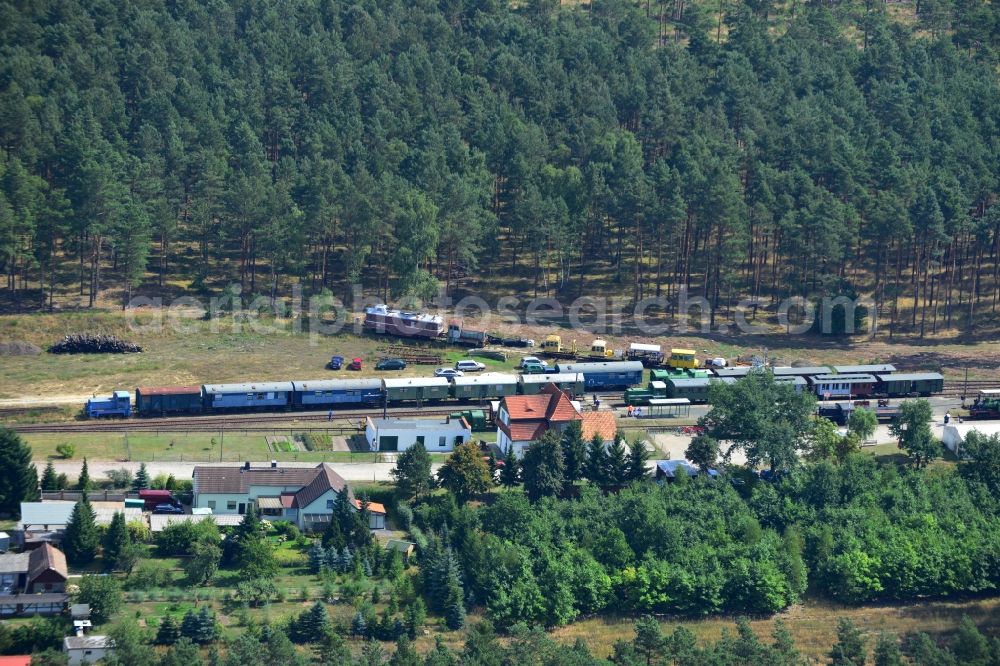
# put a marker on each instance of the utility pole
(222, 440)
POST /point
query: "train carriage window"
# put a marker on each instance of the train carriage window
(249, 396)
(217, 397)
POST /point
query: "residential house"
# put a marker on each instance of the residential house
(86, 649)
(400, 434)
(522, 419)
(303, 495)
(40, 570)
(46, 521)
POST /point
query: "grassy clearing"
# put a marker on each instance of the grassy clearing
(813, 624)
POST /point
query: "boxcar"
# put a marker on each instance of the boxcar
(159, 400)
(491, 385)
(117, 404)
(263, 395)
(899, 384)
(736, 372)
(843, 386)
(607, 375)
(800, 383)
(570, 382)
(416, 388)
(321, 393)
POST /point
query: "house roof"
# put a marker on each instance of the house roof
(217, 479)
(525, 431)
(446, 424)
(530, 415)
(602, 423)
(14, 562)
(159, 521)
(47, 558)
(16, 660)
(46, 513)
(326, 479)
(86, 642)
(373, 507)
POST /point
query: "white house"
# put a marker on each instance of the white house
(86, 649)
(401, 434)
(302, 495)
(954, 434)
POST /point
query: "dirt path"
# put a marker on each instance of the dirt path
(36, 401)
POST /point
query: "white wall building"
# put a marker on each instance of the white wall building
(954, 434)
(86, 649)
(400, 434)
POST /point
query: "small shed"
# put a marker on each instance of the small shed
(669, 470)
(86, 649)
(406, 548)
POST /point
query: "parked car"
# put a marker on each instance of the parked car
(355, 364)
(533, 360)
(469, 366)
(336, 362)
(534, 368)
(448, 372)
(391, 364)
(168, 508)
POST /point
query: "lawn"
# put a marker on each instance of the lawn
(231, 446)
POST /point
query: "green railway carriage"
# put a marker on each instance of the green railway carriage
(694, 389)
(488, 386)
(416, 389)
(569, 382)
(916, 383)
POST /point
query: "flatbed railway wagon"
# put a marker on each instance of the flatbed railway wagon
(250, 397)
(164, 400)
(649, 355)
(326, 393)
(607, 375)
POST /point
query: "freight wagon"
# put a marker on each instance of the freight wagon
(917, 383)
(570, 382)
(163, 400)
(489, 385)
(419, 389)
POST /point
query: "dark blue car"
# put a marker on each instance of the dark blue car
(336, 362)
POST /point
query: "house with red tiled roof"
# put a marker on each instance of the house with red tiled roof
(522, 419)
(599, 423)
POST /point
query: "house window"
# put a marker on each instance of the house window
(442, 440)
(329, 504)
(211, 505)
(420, 439)
(230, 506)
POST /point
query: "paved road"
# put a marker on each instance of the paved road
(354, 472)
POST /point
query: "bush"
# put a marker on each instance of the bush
(405, 515)
(139, 531)
(120, 478)
(66, 450)
(286, 528)
(149, 575)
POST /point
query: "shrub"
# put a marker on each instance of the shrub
(66, 450)
(405, 515)
(285, 528)
(149, 575)
(120, 478)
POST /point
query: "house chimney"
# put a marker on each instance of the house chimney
(274, 463)
(246, 465)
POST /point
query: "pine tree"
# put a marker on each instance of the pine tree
(596, 467)
(849, 650)
(574, 451)
(405, 654)
(317, 557)
(637, 460)
(141, 481)
(81, 538)
(50, 482)
(416, 615)
(454, 611)
(189, 625)
(168, 631)
(616, 464)
(116, 540)
(19, 480)
(887, 652)
(84, 482)
(359, 627)
(544, 467)
(511, 468)
(206, 629)
(314, 624)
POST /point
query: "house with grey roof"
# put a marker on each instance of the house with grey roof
(86, 649)
(302, 495)
(33, 582)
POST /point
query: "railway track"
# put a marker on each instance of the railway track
(968, 389)
(250, 422)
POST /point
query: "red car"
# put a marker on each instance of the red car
(355, 364)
